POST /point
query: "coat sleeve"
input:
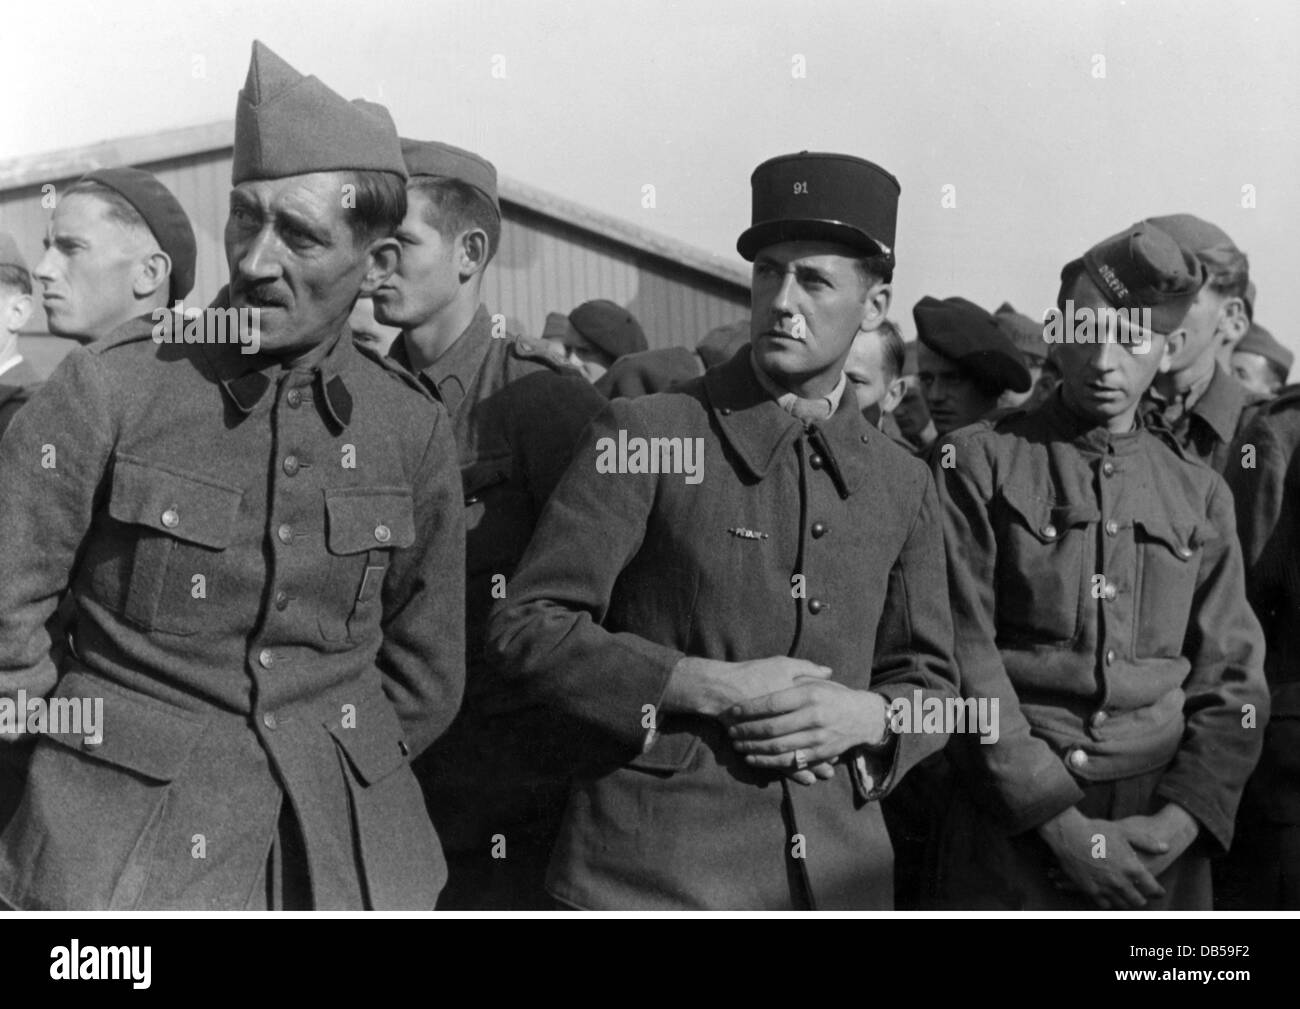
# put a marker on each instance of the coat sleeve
(1227, 700)
(422, 657)
(1027, 783)
(913, 647)
(547, 637)
(549, 426)
(53, 461)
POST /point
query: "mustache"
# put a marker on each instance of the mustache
(261, 294)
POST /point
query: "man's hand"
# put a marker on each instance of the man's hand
(1119, 879)
(1161, 838)
(709, 687)
(817, 719)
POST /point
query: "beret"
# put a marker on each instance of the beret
(164, 215)
(1259, 340)
(963, 332)
(1207, 242)
(9, 254)
(609, 326)
(287, 124)
(1024, 332)
(822, 197)
(1140, 267)
(429, 157)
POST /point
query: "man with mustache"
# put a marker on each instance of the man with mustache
(494, 784)
(255, 544)
(1098, 595)
(725, 650)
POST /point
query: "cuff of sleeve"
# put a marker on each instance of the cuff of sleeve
(872, 768)
(1215, 827)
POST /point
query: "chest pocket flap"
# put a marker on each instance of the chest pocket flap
(1181, 537)
(369, 518)
(186, 506)
(1048, 520)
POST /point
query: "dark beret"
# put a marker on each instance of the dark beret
(1140, 267)
(822, 197)
(1024, 332)
(609, 326)
(429, 157)
(1259, 340)
(163, 214)
(963, 332)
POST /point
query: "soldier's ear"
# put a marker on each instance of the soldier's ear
(894, 393)
(17, 312)
(383, 256)
(155, 271)
(875, 308)
(472, 253)
(1233, 322)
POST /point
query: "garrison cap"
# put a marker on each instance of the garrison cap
(963, 332)
(1024, 332)
(9, 254)
(607, 325)
(1208, 243)
(822, 197)
(1141, 267)
(1259, 340)
(443, 161)
(162, 213)
(287, 124)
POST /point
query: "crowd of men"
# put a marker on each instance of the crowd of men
(988, 620)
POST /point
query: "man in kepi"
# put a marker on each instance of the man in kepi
(255, 544)
(725, 640)
(118, 246)
(1098, 594)
(494, 784)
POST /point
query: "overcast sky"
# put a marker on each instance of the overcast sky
(1057, 123)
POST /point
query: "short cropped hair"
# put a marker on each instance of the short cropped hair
(892, 355)
(876, 268)
(16, 278)
(118, 207)
(380, 205)
(456, 207)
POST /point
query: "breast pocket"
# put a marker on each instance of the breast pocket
(1169, 550)
(158, 560)
(363, 526)
(1044, 548)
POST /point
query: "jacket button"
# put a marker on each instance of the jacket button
(1108, 468)
(1184, 552)
(818, 530)
(1112, 528)
(815, 461)
(1110, 656)
(383, 533)
(1110, 592)
(725, 411)
(1078, 759)
(285, 533)
(170, 519)
(269, 720)
(281, 600)
(294, 398)
(265, 657)
(815, 606)
(291, 464)
(1097, 720)
(1049, 531)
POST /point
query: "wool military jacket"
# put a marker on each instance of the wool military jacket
(1207, 429)
(818, 543)
(266, 568)
(517, 413)
(1098, 593)
(16, 386)
(1264, 474)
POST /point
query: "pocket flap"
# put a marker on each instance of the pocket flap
(1181, 538)
(369, 518)
(187, 506)
(1048, 520)
(371, 738)
(139, 733)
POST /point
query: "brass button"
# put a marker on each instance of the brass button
(269, 720)
(170, 519)
(1110, 592)
(1108, 468)
(1078, 759)
(1112, 528)
(818, 530)
(1098, 719)
(725, 411)
(291, 464)
(383, 533)
(294, 398)
(265, 657)
(285, 533)
(1049, 531)
(815, 606)
(815, 461)
(1110, 656)
(1184, 552)
(281, 600)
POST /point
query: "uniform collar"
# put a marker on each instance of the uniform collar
(757, 429)
(1219, 404)
(788, 401)
(1086, 434)
(453, 372)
